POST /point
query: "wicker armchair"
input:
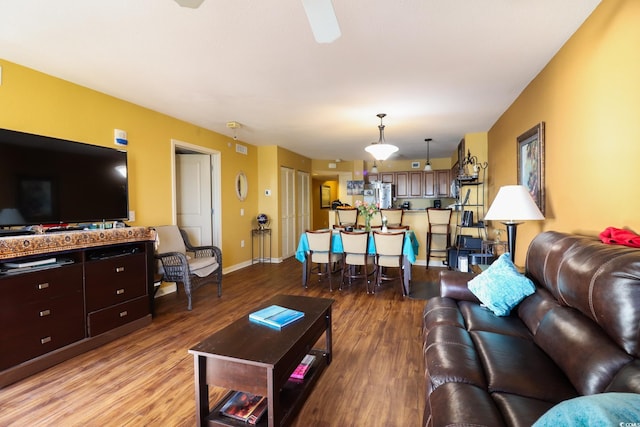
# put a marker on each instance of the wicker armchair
(181, 262)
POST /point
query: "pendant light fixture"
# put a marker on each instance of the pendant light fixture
(381, 150)
(374, 169)
(427, 166)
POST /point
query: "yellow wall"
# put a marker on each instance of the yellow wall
(589, 98)
(34, 102)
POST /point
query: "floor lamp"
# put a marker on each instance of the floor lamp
(512, 205)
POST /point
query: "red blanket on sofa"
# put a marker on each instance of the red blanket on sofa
(618, 236)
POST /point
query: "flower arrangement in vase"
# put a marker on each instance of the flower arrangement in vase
(367, 210)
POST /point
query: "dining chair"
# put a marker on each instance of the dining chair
(439, 228)
(376, 221)
(321, 255)
(347, 217)
(355, 258)
(398, 227)
(393, 215)
(389, 255)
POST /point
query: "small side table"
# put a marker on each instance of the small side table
(261, 233)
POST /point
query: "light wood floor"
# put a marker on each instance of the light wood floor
(146, 378)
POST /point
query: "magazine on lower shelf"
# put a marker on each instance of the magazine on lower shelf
(303, 367)
(276, 316)
(245, 407)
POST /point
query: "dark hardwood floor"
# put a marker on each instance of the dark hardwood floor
(146, 378)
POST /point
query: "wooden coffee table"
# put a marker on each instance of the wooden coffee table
(257, 359)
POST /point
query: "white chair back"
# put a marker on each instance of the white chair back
(376, 221)
(347, 216)
(394, 216)
(389, 248)
(355, 246)
(319, 245)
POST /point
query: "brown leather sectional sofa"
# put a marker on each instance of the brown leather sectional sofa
(578, 334)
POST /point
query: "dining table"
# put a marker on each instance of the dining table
(409, 252)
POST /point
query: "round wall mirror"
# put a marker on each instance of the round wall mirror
(241, 185)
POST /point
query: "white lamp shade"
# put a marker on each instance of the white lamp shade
(514, 203)
(381, 151)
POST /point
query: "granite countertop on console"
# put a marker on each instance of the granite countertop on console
(34, 244)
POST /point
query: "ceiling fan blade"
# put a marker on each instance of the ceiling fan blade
(322, 19)
(193, 4)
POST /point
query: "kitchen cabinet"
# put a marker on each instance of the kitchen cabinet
(402, 184)
(415, 184)
(443, 183)
(429, 185)
(388, 177)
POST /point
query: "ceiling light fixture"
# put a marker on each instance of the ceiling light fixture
(381, 150)
(374, 169)
(427, 166)
(234, 126)
(192, 4)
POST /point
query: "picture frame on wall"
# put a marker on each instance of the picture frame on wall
(355, 188)
(460, 170)
(531, 163)
(325, 196)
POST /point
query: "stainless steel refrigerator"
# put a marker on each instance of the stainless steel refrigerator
(380, 193)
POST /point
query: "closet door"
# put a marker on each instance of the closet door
(288, 212)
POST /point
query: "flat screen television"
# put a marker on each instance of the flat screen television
(46, 180)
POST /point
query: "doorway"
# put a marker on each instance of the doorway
(196, 194)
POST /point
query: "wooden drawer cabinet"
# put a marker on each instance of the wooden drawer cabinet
(61, 310)
(40, 285)
(115, 280)
(106, 319)
(49, 315)
(39, 328)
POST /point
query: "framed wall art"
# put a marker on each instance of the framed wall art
(325, 196)
(531, 163)
(355, 188)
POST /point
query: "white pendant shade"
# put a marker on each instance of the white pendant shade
(514, 203)
(193, 4)
(381, 151)
(427, 166)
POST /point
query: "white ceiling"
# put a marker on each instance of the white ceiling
(438, 68)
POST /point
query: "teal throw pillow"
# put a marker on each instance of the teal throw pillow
(603, 409)
(501, 287)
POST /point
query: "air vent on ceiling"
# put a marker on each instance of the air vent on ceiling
(241, 149)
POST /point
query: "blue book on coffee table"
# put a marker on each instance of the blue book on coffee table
(276, 316)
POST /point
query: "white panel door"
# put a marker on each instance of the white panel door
(193, 201)
(304, 205)
(288, 212)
